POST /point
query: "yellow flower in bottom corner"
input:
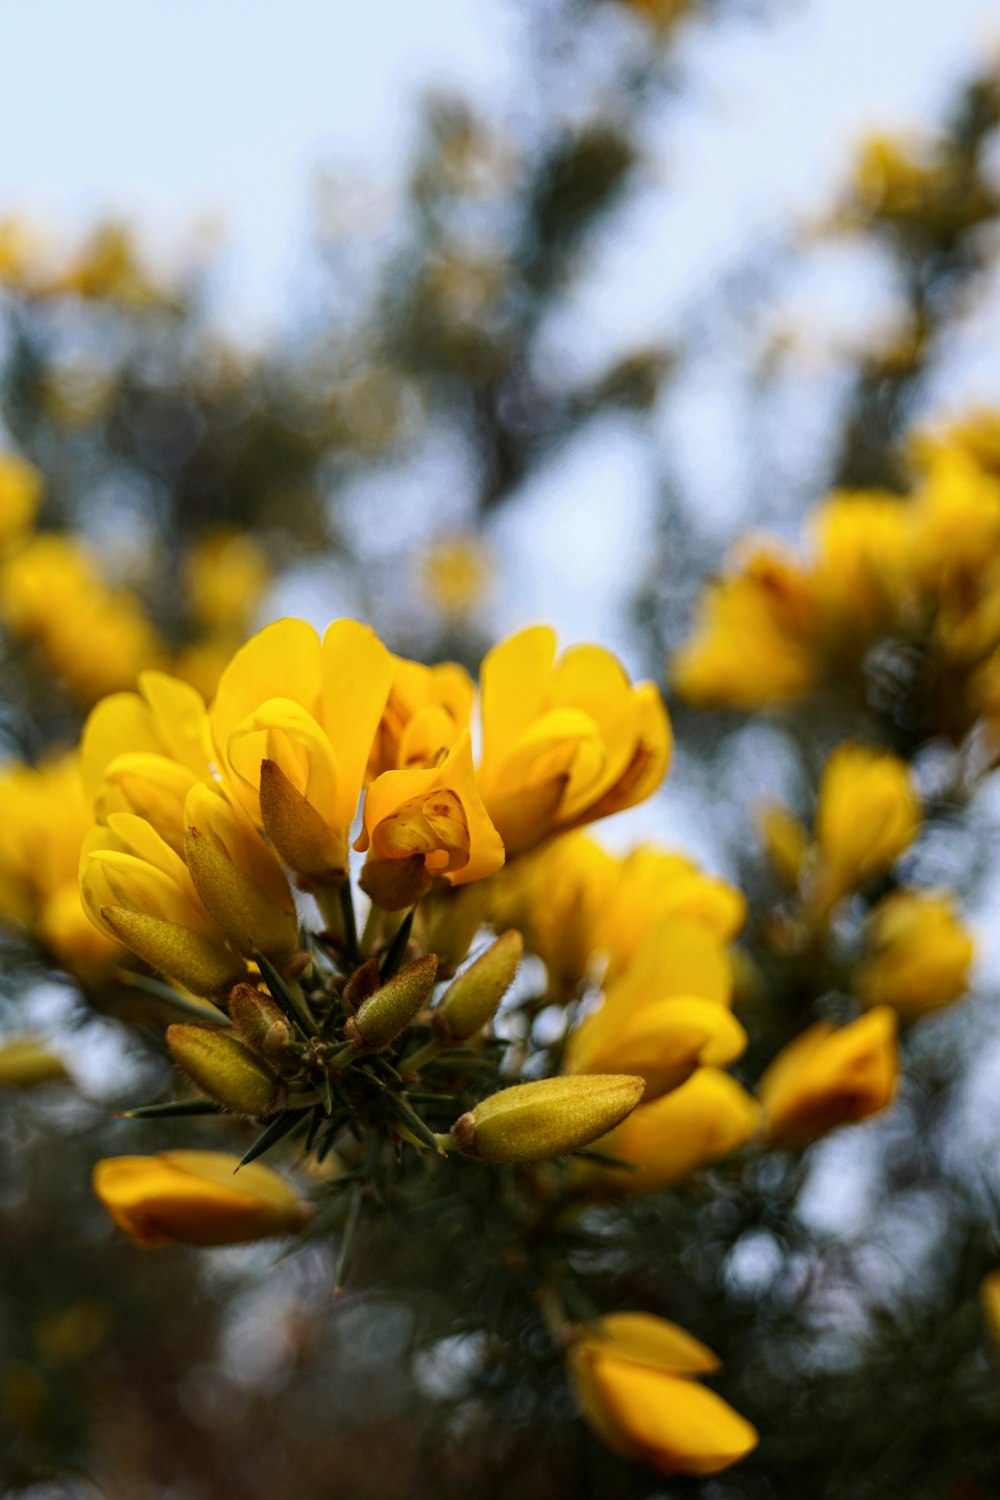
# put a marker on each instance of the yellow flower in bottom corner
(635, 1377)
(196, 1198)
(829, 1077)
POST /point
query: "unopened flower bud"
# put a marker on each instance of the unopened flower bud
(390, 1010)
(394, 884)
(472, 1000)
(202, 966)
(534, 1121)
(260, 1021)
(244, 912)
(225, 1069)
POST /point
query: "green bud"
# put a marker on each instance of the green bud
(390, 1010)
(261, 1022)
(195, 961)
(242, 910)
(226, 1070)
(533, 1121)
(472, 1000)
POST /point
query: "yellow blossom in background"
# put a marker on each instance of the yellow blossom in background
(666, 1015)
(635, 1376)
(652, 884)
(26, 1061)
(456, 574)
(707, 1117)
(989, 1295)
(867, 815)
(20, 496)
(918, 954)
(830, 1076)
(558, 898)
(786, 842)
(891, 182)
(44, 818)
(752, 642)
(861, 542)
(107, 268)
(225, 574)
(565, 741)
(197, 1198)
(95, 638)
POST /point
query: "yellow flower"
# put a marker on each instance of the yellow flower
(829, 1077)
(426, 711)
(786, 842)
(862, 544)
(918, 954)
(653, 884)
(867, 815)
(989, 1292)
(44, 818)
(753, 641)
(225, 573)
(666, 1141)
(635, 1378)
(294, 722)
(20, 497)
(434, 822)
(196, 1198)
(137, 889)
(564, 742)
(666, 1015)
(558, 897)
(455, 574)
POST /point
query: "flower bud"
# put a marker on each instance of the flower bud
(240, 906)
(533, 1121)
(471, 1001)
(394, 884)
(260, 1021)
(195, 961)
(362, 983)
(390, 1010)
(225, 1070)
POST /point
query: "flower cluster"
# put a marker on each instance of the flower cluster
(899, 591)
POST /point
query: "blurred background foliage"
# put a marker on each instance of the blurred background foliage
(198, 488)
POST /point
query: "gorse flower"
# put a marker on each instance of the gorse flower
(829, 1077)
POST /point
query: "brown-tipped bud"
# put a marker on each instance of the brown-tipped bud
(394, 884)
(387, 1013)
(298, 832)
(455, 916)
(471, 1001)
(362, 983)
(225, 1070)
(242, 910)
(261, 1022)
(195, 961)
(534, 1121)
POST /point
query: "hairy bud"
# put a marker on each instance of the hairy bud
(534, 1121)
(225, 1069)
(472, 1000)
(387, 1013)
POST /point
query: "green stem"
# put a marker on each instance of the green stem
(419, 1059)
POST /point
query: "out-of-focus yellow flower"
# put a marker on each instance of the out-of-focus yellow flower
(564, 742)
(434, 822)
(862, 547)
(26, 1061)
(107, 269)
(97, 639)
(786, 841)
(455, 575)
(891, 182)
(137, 889)
(918, 954)
(867, 815)
(956, 544)
(225, 573)
(44, 818)
(753, 640)
(197, 1198)
(707, 1117)
(426, 712)
(829, 1077)
(20, 496)
(666, 1015)
(653, 884)
(557, 897)
(294, 722)
(635, 1378)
